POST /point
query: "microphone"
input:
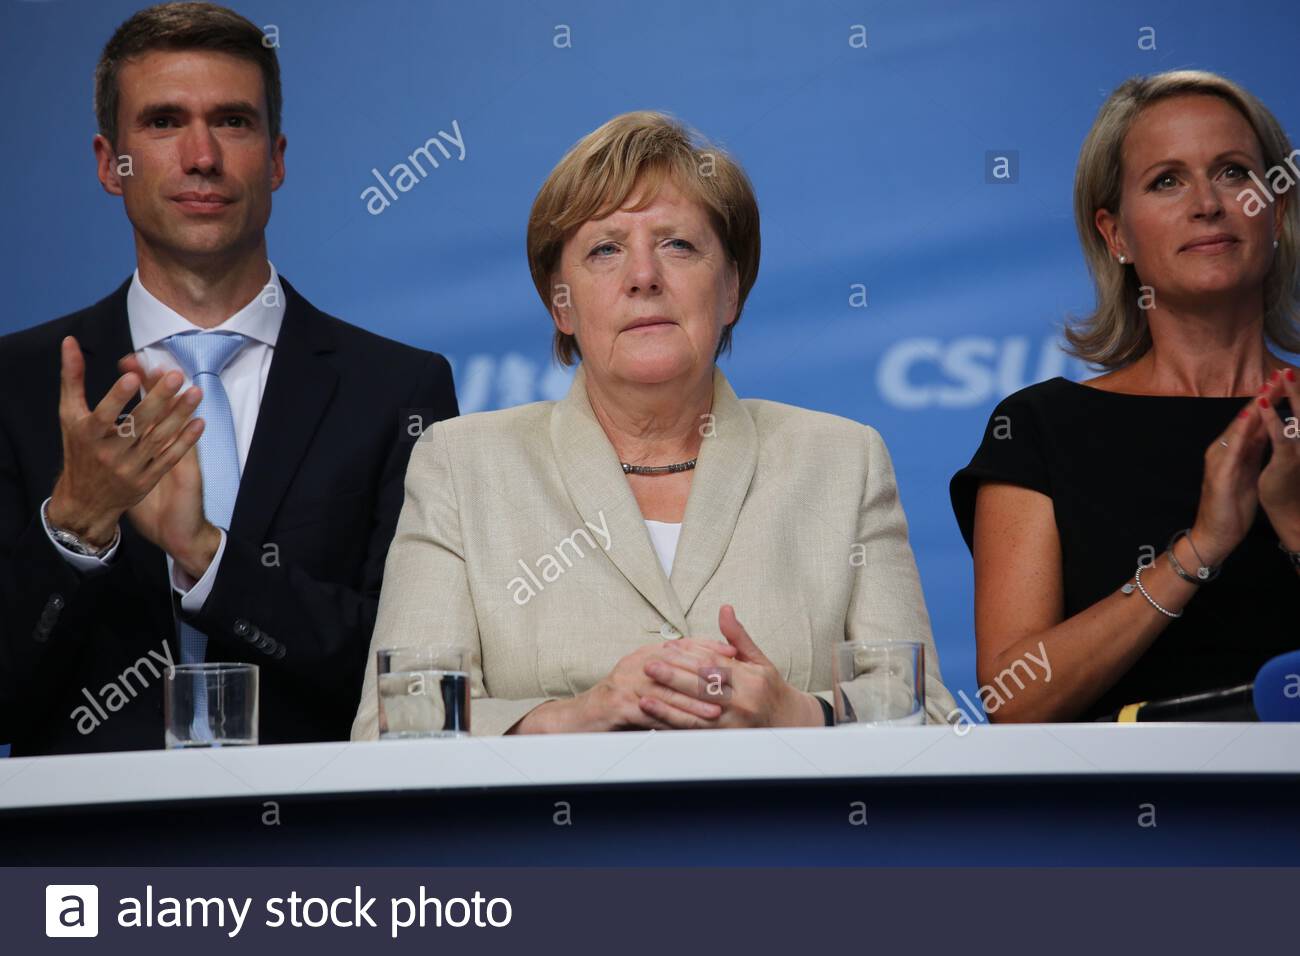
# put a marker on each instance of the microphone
(1274, 696)
(1225, 704)
(1277, 688)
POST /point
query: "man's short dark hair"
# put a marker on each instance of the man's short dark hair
(184, 26)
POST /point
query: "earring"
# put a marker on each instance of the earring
(1122, 258)
(1275, 243)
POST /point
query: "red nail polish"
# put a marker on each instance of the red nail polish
(1244, 413)
(1290, 375)
(1263, 403)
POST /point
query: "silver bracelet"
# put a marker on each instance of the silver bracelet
(1178, 569)
(1205, 572)
(1136, 583)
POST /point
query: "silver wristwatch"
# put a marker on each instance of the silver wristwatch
(75, 544)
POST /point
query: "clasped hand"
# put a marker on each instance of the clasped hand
(694, 684)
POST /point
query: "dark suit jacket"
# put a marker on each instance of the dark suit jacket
(298, 585)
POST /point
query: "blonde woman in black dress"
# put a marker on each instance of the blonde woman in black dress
(1142, 529)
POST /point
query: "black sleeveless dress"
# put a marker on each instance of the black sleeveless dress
(1124, 473)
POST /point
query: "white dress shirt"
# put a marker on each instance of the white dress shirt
(244, 379)
(664, 535)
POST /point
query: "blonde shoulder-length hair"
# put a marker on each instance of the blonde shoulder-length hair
(1116, 334)
(640, 151)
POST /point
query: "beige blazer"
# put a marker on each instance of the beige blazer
(521, 541)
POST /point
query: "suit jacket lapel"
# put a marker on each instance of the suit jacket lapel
(599, 491)
(596, 484)
(298, 390)
(721, 482)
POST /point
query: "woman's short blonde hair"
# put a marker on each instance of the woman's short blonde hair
(1116, 334)
(603, 169)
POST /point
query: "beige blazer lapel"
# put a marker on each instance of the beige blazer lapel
(721, 482)
(599, 491)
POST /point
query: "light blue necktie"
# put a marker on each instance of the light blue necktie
(203, 355)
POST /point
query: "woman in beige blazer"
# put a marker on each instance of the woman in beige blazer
(592, 555)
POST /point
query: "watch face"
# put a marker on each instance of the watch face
(75, 544)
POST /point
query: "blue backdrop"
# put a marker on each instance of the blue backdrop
(902, 284)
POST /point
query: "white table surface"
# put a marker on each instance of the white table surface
(649, 757)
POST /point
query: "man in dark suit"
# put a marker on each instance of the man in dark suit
(202, 466)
